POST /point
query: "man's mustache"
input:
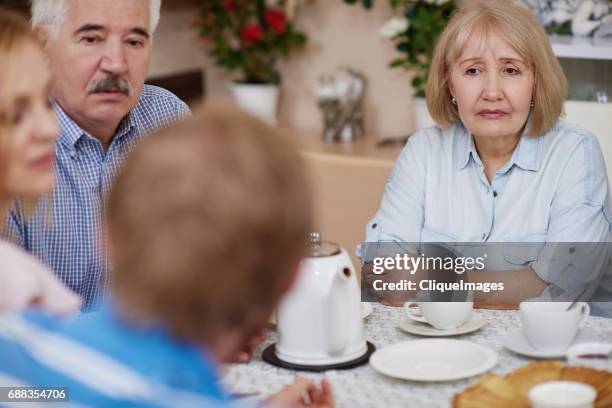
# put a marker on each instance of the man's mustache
(111, 83)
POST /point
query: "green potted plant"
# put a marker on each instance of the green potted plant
(414, 30)
(248, 37)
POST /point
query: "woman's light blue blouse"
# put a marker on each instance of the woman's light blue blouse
(554, 189)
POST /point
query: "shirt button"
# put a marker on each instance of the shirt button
(494, 193)
(72, 153)
(374, 225)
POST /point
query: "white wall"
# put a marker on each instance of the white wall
(596, 117)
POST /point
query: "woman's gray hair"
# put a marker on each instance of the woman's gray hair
(50, 14)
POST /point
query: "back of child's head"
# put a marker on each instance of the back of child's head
(208, 220)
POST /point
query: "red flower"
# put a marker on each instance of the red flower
(230, 6)
(277, 20)
(252, 33)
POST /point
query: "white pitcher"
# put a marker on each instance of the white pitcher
(319, 321)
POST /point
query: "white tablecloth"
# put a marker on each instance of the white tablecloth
(364, 387)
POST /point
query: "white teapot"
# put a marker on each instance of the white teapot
(319, 321)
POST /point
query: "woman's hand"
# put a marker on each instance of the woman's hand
(496, 305)
(303, 393)
(25, 282)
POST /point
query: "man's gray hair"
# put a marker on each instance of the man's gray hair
(50, 14)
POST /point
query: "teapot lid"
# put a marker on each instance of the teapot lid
(320, 248)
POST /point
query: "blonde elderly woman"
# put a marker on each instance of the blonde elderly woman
(501, 166)
(27, 138)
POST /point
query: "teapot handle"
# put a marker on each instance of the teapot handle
(338, 300)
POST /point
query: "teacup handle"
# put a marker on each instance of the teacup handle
(408, 309)
(585, 311)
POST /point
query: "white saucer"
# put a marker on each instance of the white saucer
(366, 310)
(433, 360)
(414, 326)
(517, 342)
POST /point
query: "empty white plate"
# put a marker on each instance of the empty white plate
(433, 360)
(413, 326)
(517, 342)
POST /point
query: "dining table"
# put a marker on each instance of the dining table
(364, 387)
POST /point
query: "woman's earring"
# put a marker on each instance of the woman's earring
(532, 104)
(453, 100)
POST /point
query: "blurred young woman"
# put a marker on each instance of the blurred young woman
(28, 128)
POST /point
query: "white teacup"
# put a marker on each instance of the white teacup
(445, 315)
(550, 326)
(562, 394)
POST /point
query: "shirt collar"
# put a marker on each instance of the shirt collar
(190, 362)
(127, 124)
(71, 132)
(465, 146)
(526, 155)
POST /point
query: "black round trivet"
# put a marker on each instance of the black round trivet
(269, 356)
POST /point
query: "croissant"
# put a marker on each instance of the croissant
(511, 391)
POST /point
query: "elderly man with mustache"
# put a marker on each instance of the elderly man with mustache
(99, 54)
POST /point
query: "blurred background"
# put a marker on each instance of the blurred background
(206, 48)
(339, 34)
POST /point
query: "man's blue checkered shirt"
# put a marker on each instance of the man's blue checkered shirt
(66, 231)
